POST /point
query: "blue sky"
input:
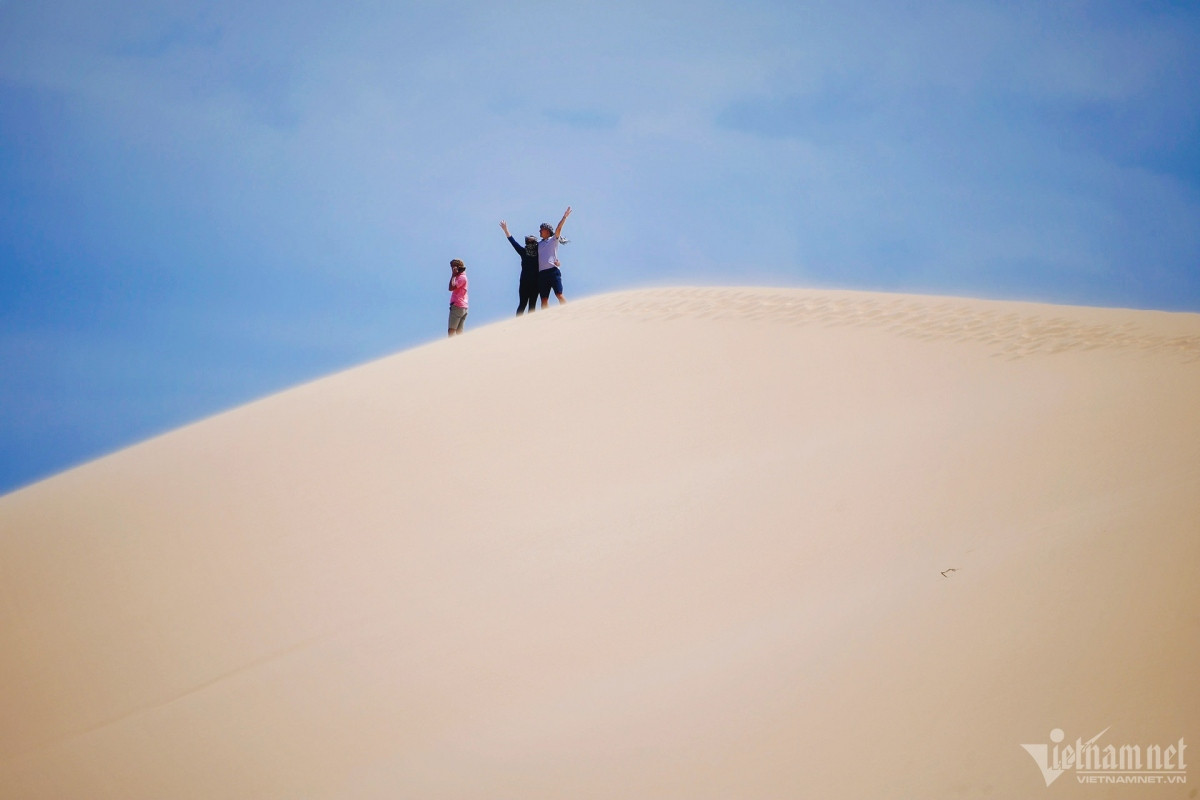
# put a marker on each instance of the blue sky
(204, 202)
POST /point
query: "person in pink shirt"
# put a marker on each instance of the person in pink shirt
(458, 297)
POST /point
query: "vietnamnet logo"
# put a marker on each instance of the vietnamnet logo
(1096, 762)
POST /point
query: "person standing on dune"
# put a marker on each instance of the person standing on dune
(527, 289)
(549, 275)
(458, 297)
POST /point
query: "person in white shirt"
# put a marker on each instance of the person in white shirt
(549, 275)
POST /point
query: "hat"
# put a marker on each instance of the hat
(546, 226)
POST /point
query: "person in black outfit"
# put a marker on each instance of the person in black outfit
(527, 290)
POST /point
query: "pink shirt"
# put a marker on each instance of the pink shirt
(458, 294)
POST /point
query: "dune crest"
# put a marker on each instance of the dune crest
(1012, 329)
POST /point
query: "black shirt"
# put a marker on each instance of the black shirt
(529, 263)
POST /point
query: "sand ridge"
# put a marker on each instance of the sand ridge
(686, 543)
(1010, 330)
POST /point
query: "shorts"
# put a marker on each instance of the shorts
(458, 316)
(549, 279)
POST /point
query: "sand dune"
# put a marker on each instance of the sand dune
(688, 543)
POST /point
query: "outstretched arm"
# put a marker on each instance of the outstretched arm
(520, 250)
(558, 230)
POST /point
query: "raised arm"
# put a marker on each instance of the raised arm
(520, 250)
(558, 230)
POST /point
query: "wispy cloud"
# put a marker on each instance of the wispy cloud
(582, 118)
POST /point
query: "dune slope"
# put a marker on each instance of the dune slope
(695, 543)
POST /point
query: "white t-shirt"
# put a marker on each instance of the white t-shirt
(548, 253)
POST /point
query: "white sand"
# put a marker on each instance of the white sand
(702, 543)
